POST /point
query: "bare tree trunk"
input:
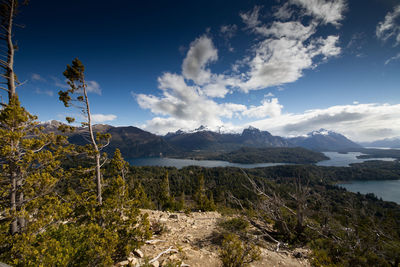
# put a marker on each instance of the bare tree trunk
(96, 148)
(13, 203)
(21, 219)
(10, 55)
(98, 178)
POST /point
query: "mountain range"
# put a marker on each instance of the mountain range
(134, 142)
(384, 143)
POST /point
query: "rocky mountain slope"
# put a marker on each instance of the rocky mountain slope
(324, 140)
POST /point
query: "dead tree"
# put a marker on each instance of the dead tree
(8, 11)
(301, 195)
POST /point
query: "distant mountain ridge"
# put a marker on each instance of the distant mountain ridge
(386, 143)
(324, 140)
(134, 142)
(213, 141)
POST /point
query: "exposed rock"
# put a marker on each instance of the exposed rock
(123, 263)
(155, 264)
(173, 257)
(133, 261)
(194, 244)
(138, 253)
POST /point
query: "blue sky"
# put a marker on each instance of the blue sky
(288, 67)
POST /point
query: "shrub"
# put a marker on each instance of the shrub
(235, 253)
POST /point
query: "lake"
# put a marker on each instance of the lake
(180, 163)
(388, 190)
(336, 159)
(343, 160)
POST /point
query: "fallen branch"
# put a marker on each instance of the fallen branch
(170, 249)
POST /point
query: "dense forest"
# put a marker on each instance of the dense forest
(271, 154)
(302, 203)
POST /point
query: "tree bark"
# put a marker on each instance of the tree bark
(10, 54)
(13, 203)
(96, 148)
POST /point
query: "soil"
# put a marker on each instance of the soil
(191, 235)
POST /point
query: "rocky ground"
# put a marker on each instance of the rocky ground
(187, 239)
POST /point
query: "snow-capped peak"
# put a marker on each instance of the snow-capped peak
(321, 132)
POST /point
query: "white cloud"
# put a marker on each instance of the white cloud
(325, 11)
(60, 84)
(360, 122)
(269, 95)
(93, 87)
(287, 50)
(201, 53)
(251, 18)
(185, 106)
(37, 77)
(100, 118)
(396, 57)
(270, 108)
(44, 92)
(280, 61)
(284, 12)
(390, 28)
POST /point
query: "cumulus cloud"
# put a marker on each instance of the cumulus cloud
(287, 50)
(390, 27)
(281, 52)
(100, 118)
(184, 105)
(268, 107)
(325, 11)
(360, 122)
(201, 52)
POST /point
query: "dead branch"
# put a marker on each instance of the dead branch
(170, 249)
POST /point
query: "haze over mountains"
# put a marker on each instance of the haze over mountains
(134, 142)
(384, 143)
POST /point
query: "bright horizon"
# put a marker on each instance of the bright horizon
(287, 67)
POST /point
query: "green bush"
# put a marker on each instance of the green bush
(235, 253)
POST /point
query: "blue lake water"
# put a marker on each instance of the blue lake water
(343, 160)
(180, 163)
(336, 159)
(388, 190)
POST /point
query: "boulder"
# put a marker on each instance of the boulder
(123, 263)
(138, 253)
(155, 264)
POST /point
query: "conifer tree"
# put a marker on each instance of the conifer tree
(77, 95)
(203, 203)
(165, 195)
(30, 170)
